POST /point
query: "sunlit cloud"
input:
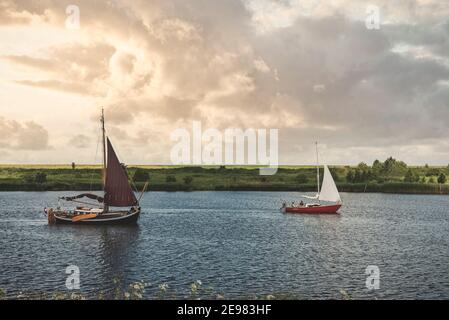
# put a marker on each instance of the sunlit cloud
(310, 68)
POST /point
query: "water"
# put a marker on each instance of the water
(237, 243)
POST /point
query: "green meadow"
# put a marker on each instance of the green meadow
(390, 176)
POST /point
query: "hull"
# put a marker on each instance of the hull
(116, 218)
(331, 209)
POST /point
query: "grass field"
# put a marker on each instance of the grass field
(190, 178)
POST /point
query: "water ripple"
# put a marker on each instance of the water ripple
(237, 243)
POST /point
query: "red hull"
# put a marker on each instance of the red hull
(313, 210)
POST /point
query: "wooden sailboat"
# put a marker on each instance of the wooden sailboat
(328, 197)
(118, 194)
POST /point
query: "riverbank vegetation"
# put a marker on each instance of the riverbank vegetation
(390, 176)
(142, 290)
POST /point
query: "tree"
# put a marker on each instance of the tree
(388, 165)
(336, 176)
(141, 175)
(363, 166)
(376, 169)
(393, 167)
(302, 178)
(357, 176)
(350, 176)
(188, 180)
(170, 179)
(73, 166)
(432, 172)
(442, 178)
(40, 177)
(432, 180)
(364, 176)
(409, 176)
(377, 165)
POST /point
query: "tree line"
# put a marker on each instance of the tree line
(392, 169)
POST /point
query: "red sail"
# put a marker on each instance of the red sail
(118, 192)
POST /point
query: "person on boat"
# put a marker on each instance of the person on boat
(301, 204)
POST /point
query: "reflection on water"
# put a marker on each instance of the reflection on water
(108, 246)
(236, 243)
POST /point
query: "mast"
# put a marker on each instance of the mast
(317, 170)
(104, 154)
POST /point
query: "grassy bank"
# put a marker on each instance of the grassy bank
(175, 178)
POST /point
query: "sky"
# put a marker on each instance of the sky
(365, 85)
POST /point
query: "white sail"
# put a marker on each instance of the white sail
(329, 190)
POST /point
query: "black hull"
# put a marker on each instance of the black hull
(129, 219)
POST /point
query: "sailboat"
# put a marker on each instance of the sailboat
(328, 194)
(117, 194)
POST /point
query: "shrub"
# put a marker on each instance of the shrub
(410, 176)
(170, 179)
(350, 176)
(432, 172)
(302, 178)
(188, 180)
(442, 178)
(29, 178)
(40, 177)
(140, 175)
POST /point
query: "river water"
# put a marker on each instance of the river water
(237, 244)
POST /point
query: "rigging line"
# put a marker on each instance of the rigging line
(131, 179)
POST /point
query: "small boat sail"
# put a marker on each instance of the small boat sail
(328, 194)
(117, 194)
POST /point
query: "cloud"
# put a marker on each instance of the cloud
(80, 141)
(81, 66)
(22, 136)
(10, 15)
(71, 87)
(316, 73)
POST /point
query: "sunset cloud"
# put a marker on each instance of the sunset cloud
(310, 68)
(22, 136)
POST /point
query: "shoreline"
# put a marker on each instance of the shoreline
(218, 178)
(388, 188)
